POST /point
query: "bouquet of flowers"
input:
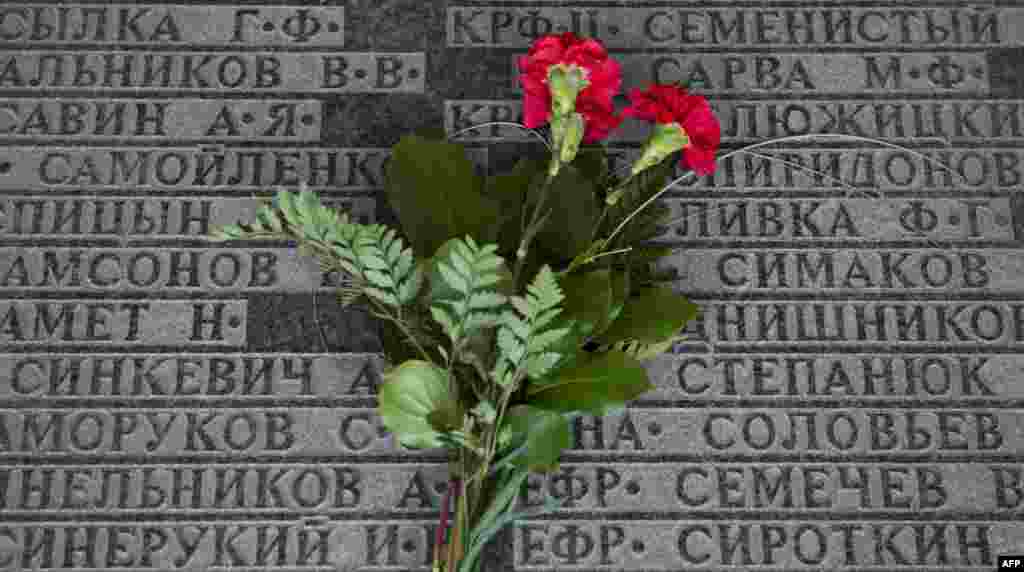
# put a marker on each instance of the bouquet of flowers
(511, 304)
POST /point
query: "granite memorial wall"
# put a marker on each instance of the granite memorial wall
(852, 397)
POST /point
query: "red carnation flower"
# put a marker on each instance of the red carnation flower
(594, 101)
(600, 119)
(672, 104)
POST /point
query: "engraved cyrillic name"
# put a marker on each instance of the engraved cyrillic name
(878, 269)
(196, 544)
(214, 72)
(685, 542)
(810, 73)
(807, 220)
(112, 432)
(172, 24)
(117, 322)
(175, 217)
(863, 378)
(150, 119)
(957, 120)
(725, 27)
(826, 432)
(952, 322)
(188, 168)
(151, 269)
(794, 488)
(144, 376)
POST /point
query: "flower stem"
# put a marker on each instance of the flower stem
(529, 231)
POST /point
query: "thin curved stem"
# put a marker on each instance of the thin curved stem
(533, 132)
(789, 139)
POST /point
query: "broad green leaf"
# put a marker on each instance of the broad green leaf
(510, 191)
(545, 433)
(573, 208)
(588, 300)
(436, 194)
(412, 392)
(651, 315)
(592, 163)
(594, 383)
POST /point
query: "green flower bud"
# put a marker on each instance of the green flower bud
(566, 135)
(566, 82)
(666, 139)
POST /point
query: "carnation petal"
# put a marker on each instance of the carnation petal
(536, 110)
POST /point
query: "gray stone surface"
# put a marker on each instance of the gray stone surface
(851, 397)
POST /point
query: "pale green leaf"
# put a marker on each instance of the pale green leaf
(410, 393)
(540, 364)
(485, 300)
(379, 279)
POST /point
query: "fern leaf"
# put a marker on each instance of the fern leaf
(523, 338)
(539, 364)
(486, 300)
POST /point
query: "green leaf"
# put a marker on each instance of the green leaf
(440, 289)
(487, 532)
(485, 411)
(545, 433)
(588, 300)
(573, 208)
(510, 191)
(594, 383)
(650, 316)
(436, 194)
(592, 163)
(638, 190)
(410, 393)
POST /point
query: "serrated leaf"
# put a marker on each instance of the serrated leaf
(403, 265)
(520, 304)
(412, 285)
(482, 320)
(381, 295)
(540, 364)
(486, 300)
(545, 339)
(442, 317)
(453, 278)
(379, 279)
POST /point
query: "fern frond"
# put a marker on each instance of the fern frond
(469, 269)
(524, 335)
(372, 255)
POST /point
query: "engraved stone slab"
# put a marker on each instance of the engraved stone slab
(849, 399)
